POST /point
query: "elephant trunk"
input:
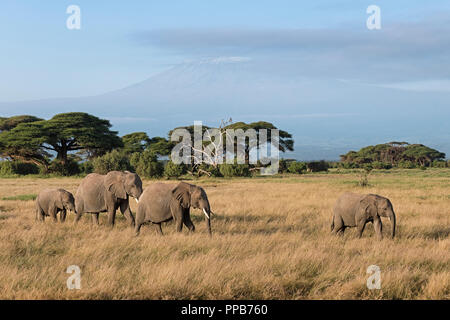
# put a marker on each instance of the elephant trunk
(393, 222)
(207, 212)
(208, 225)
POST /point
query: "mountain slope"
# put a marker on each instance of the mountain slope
(321, 113)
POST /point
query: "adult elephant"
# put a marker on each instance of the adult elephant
(161, 202)
(355, 210)
(105, 193)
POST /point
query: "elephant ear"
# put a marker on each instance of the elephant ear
(183, 194)
(59, 199)
(114, 183)
(367, 205)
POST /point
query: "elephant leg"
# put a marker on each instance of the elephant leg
(338, 226)
(178, 216)
(62, 215)
(125, 209)
(95, 218)
(112, 216)
(378, 226)
(40, 215)
(188, 222)
(158, 228)
(137, 228)
(361, 226)
(179, 225)
(52, 212)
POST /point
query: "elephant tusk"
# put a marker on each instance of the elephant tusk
(137, 201)
(206, 214)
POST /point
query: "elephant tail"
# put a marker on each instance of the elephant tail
(332, 224)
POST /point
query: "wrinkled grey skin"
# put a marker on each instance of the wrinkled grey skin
(162, 202)
(105, 193)
(49, 202)
(355, 210)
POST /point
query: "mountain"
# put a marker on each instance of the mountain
(326, 116)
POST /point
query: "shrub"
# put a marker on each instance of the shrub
(71, 167)
(172, 170)
(364, 179)
(317, 166)
(283, 166)
(110, 161)
(87, 167)
(235, 170)
(6, 168)
(406, 164)
(381, 165)
(333, 164)
(439, 164)
(18, 167)
(210, 170)
(146, 164)
(297, 167)
(348, 165)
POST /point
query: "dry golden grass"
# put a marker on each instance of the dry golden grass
(271, 240)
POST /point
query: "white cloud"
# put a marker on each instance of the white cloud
(426, 85)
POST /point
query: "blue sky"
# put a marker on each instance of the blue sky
(124, 42)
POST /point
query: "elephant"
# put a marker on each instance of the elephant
(161, 202)
(105, 193)
(355, 210)
(51, 201)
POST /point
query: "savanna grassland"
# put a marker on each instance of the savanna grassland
(271, 240)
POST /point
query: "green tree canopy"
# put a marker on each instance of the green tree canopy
(394, 153)
(22, 145)
(135, 142)
(7, 124)
(61, 134)
(160, 146)
(286, 143)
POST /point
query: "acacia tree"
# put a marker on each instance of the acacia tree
(394, 153)
(135, 142)
(7, 124)
(422, 155)
(214, 145)
(21, 145)
(139, 142)
(160, 146)
(62, 134)
(284, 143)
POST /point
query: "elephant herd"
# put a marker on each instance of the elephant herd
(97, 193)
(161, 202)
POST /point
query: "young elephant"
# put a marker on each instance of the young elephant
(51, 201)
(355, 210)
(161, 202)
